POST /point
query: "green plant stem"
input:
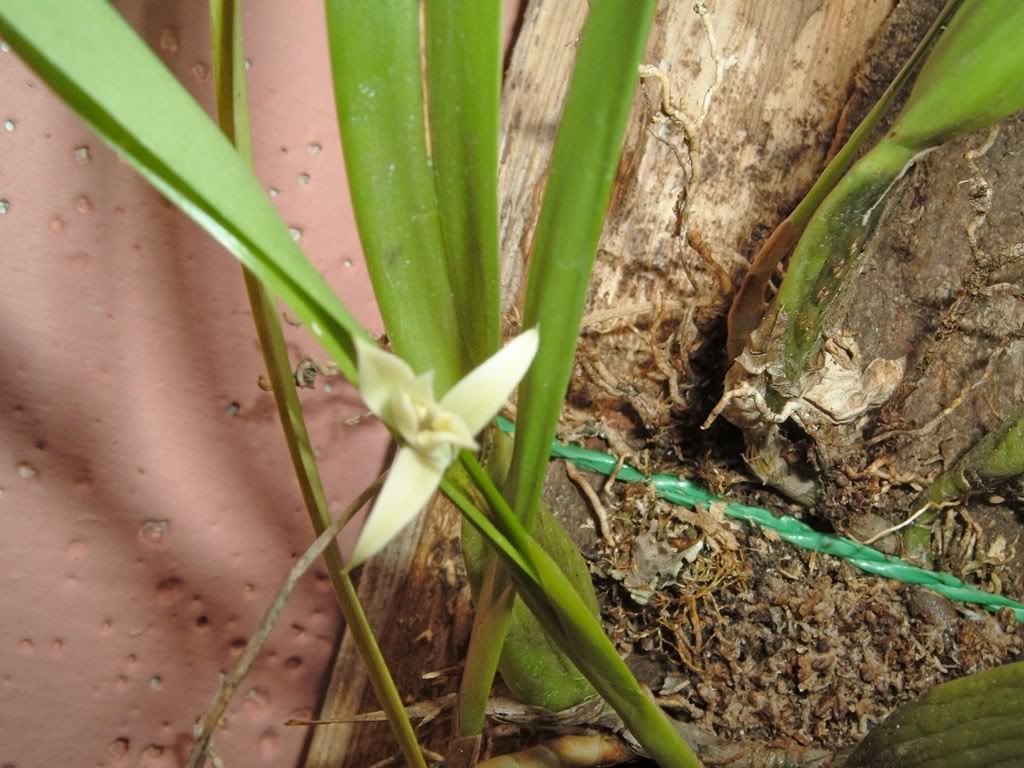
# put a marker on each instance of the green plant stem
(490, 621)
(489, 624)
(566, 618)
(232, 112)
(997, 457)
(232, 679)
(531, 664)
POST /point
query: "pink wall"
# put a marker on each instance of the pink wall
(155, 527)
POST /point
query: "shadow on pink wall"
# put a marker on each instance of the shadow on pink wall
(148, 507)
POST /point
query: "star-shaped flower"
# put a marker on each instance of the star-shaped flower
(431, 432)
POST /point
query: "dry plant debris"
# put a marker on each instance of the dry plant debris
(757, 640)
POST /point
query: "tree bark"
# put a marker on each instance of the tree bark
(668, 243)
(417, 598)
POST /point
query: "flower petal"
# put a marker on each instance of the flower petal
(410, 484)
(400, 413)
(422, 387)
(380, 375)
(478, 397)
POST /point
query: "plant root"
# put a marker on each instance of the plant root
(595, 501)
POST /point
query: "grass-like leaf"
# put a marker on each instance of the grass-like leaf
(464, 91)
(973, 77)
(580, 178)
(375, 57)
(579, 186)
(96, 63)
(566, 618)
(506, 635)
(228, 54)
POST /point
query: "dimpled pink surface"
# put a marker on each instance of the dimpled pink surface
(149, 511)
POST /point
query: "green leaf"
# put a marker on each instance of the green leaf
(464, 87)
(506, 635)
(749, 305)
(96, 63)
(531, 664)
(580, 179)
(375, 57)
(576, 197)
(496, 536)
(973, 722)
(228, 54)
(827, 256)
(973, 77)
(567, 619)
(583, 640)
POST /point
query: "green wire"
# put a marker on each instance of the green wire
(868, 559)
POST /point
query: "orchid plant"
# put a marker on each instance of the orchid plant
(432, 253)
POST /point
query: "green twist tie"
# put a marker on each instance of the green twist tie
(685, 493)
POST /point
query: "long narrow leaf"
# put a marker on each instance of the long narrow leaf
(228, 56)
(464, 89)
(96, 63)
(583, 640)
(973, 77)
(579, 187)
(505, 635)
(566, 618)
(375, 57)
(580, 178)
(748, 307)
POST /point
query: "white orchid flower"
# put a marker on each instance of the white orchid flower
(430, 432)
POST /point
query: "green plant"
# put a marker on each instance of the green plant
(973, 77)
(748, 306)
(973, 722)
(423, 249)
(426, 207)
(995, 458)
(228, 56)
(576, 197)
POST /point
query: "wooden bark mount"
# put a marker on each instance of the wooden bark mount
(417, 599)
